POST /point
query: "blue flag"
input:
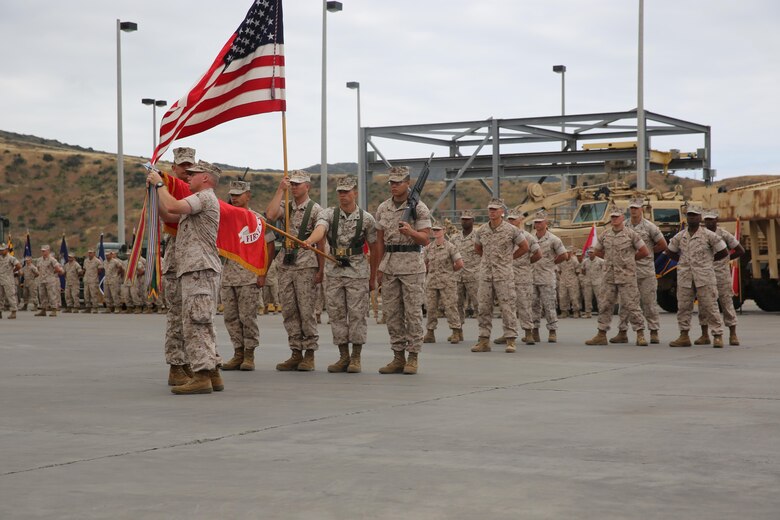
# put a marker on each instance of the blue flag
(63, 259)
(27, 247)
(102, 256)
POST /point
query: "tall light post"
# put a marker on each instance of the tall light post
(333, 7)
(641, 145)
(155, 103)
(561, 69)
(120, 159)
(362, 188)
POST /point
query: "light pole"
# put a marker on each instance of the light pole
(641, 145)
(155, 103)
(561, 69)
(120, 160)
(362, 188)
(333, 7)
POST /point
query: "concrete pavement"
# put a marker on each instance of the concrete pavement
(89, 428)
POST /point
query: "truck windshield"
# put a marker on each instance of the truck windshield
(590, 212)
(666, 215)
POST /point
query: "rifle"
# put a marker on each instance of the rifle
(410, 213)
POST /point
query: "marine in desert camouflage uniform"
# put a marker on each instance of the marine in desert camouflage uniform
(30, 287)
(468, 282)
(723, 276)
(695, 249)
(72, 271)
(241, 290)
(553, 253)
(620, 247)
(91, 276)
(647, 283)
(592, 276)
(115, 272)
(569, 293)
(49, 270)
(300, 270)
(401, 271)
(347, 285)
(442, 262)
(498, 243)
(198, 268)
(9, 267)
(524, 281)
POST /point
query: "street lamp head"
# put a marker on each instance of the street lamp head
(559, 69)
(353, 85)
(128, 26)
(147, 101)
(160, 103)
(333, 7)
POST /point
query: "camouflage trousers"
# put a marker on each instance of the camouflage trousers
(198, 306)
(174, 336)
(125, 294)
(91, 295)
(402, 301)
(524, 292)
(504, 292)
(8, 293)
(468, 293)
(544, 304)
(347, 300)
(112, 295)
(49, 294)
(625, 294)
(589, 290)
(241, 304)
(446, 297)
(271, 287)
(708, 307)
(298, 297)
(648, 291)
(72, 295)
(138, 292)
(726, 300)
(30, 294)
(569, 296)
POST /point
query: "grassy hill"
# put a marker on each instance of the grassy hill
(51, 188)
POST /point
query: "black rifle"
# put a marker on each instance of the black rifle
(410, 213)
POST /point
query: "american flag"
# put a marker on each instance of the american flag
(246, 78)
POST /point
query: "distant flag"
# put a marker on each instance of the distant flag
(735, 267)
(27, 246)
(102, 256)
(10, 245)
(589, 241)
(246, 78)
(63, 258)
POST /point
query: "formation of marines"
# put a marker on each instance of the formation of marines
(527, 275)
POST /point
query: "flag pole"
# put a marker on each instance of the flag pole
(287, 243)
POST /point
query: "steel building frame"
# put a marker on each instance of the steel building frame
(464, 140)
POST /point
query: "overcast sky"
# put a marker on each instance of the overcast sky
(713, 62)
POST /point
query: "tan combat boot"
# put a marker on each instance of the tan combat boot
(620, 337)
(235, 361)
(654, 337)
(354, 361)
(704, 339)
(307, 365)
(216, 380)
(528, 339)
(177, 376)
(552, 337)
(53, 312)
(430, 337)
(382, 320)
(396, 366)
(564, 315)
(599, 339)
(199, 384)
(483, 345)
(12, 316)
(67, 311)
(456, 337)
(343, 363)
(86, 310)
(148, 310)
(717, 341)
(510, 345)
(188, 370)
(270, 309)
(41, 312)
(576, 314)
(24, 307)
(640, 338)
(292, 363)
(536, 336)
(733, 339)
(587, 315)
(411, 364)
(108, 310)
(248, 364)
(500, 341)
(140, 310)
(683, 341)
